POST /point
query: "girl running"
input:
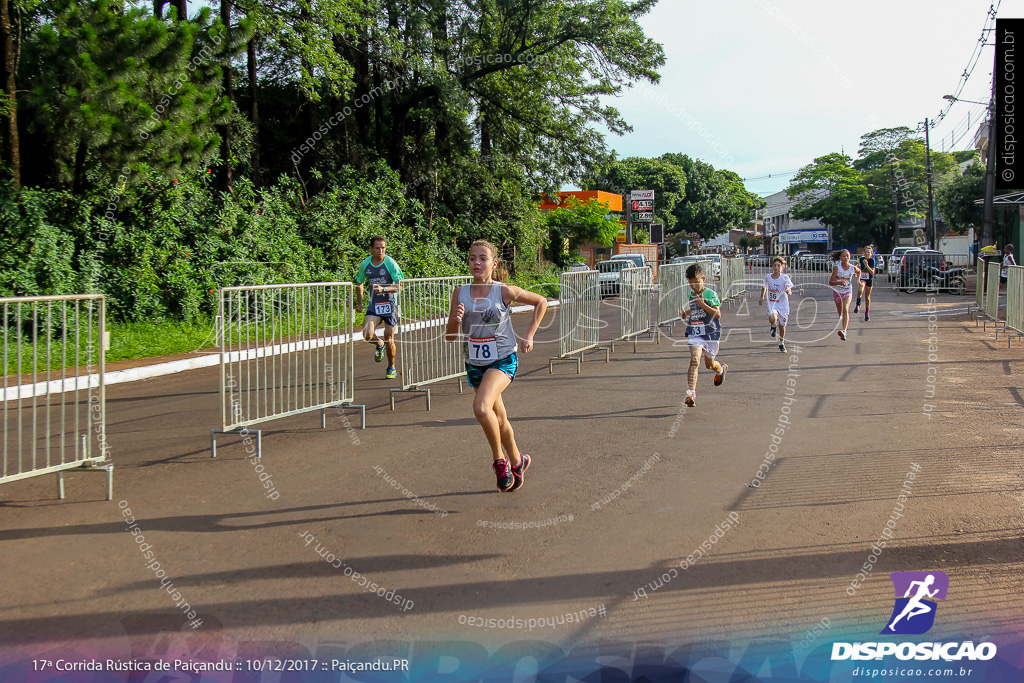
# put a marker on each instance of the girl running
(482, 311)
(841, 282)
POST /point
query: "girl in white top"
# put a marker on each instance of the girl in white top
(843, 274)
(777, 287)
(482, 311)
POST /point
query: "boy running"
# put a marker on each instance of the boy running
(703, 315)
(383, 274)
(868, 266)
(777, 287)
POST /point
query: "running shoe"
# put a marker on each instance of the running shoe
(390, 373)
(782, 347)
(378, 355)
(866, 316)
(772, 332)
(856, 307)
(691, 398)
(504, 474)
(518, 472)
(842, 334)
(721, 377)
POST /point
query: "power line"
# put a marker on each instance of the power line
(990, 20)
(780, 174)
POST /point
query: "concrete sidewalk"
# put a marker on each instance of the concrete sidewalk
(638, 516)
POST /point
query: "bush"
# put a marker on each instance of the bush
(160, 251)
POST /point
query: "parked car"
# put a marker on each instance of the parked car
(638, 260)
(894, 260)
(818, 262)
(795, 260)
(759, 260)
(716, 265)
(578, 267)
(609, 273)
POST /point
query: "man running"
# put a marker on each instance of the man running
(868, 266)
(383, 274)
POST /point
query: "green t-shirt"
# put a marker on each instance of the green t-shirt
(699, 323)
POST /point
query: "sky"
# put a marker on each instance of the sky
(762, 87)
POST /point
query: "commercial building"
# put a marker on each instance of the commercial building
(784, 234)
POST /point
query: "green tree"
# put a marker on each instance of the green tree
(578, 222)
(716, 200)
(107, 88)
(668, 181)
(956, 199)
(834, 193)
(876, 146)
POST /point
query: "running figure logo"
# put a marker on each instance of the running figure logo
(916, 595)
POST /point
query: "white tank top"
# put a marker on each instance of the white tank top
(488, 325)
(848, 274)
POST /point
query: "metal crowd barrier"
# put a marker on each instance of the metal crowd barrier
(977, 310)
(979, 287)
(733, 278)
(635, 286)
(1014, 303)
(725, 278)
(673, 286)
(992, 296)
(284, 350)
(579, 318)
(54, 399)
(424, 356)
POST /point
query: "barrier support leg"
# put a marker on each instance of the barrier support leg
(565, 359)
(242, 431)
(421, 391)
(107, 467)
(362, 412)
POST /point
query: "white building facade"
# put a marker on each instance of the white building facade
(784, 234)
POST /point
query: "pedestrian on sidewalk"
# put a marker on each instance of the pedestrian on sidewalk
(1008, 260)
(483, 312)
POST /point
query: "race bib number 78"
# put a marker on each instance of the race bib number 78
(483, 349)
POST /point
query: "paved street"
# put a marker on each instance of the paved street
(625, 487)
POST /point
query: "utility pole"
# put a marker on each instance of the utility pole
(928, 172)
(895, 208)
(990, 179)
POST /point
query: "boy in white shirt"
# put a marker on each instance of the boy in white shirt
(777, 288)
